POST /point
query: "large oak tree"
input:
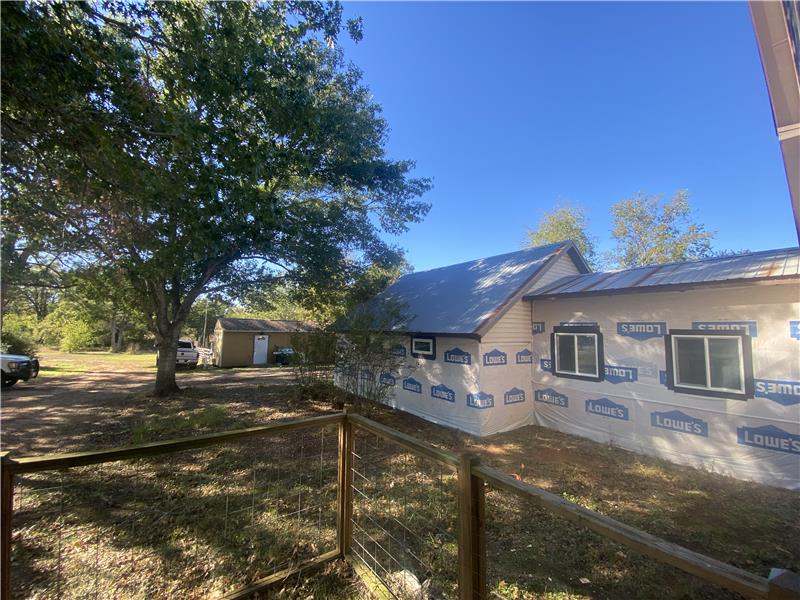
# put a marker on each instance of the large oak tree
(188, 148)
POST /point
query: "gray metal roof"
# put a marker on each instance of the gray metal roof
(768, 264)
(458, 299)
(265, 325)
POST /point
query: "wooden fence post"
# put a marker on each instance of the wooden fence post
(471, 531)
(783, 585)
(6, 510)
(344, 526)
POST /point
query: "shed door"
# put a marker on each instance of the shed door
(260, 345)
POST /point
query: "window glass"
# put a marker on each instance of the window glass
(690, 361)
(565, 347)
(184, 344)
(724, 360)
(423, 346)
(587, 356)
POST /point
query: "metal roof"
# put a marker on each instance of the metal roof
(265, 325)
(459, 299)
(768, 264)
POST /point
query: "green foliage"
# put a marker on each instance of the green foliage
(192, 148)
(76, 335)
(565, 223)
(17, 342)
(649, 231)
(363, 353)
(312, 366)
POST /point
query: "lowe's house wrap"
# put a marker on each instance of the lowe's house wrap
(696, 362)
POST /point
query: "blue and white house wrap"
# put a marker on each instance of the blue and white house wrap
(495, 365)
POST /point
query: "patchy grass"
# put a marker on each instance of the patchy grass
(533, 555)
(54, 363)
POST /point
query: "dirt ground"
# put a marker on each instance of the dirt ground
(97, 401)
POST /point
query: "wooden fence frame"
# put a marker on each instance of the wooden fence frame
(473, 478)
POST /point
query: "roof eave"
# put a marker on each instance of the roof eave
(568, 248)
(670, 287)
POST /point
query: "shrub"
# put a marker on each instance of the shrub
(14, 342)
(76, 335)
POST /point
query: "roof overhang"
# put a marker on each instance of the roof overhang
(675, 287)
(569, 249)
(777, 28)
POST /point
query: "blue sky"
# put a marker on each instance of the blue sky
(514, 107)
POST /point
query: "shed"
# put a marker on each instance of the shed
(697, 362)
(252, 342)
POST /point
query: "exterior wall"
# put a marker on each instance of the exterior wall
(491, 393)
(563, 267)
(449, 370)
(235, 348)
(729, 428)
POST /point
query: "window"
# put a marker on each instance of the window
(423, 347)
(718, 365)
(577, 352)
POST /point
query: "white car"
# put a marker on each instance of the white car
(16, 367)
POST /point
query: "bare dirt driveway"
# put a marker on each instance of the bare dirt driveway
(90, 400)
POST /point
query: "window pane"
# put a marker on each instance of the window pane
(565, 352)
(724, 360)
(587, 359)
(422, 346)
(691, 361)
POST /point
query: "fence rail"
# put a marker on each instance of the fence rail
(462, 480)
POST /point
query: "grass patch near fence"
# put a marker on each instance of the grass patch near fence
(533, 555)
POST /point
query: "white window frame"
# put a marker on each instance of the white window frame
(576, 372)
(429, 340)
(708, 387)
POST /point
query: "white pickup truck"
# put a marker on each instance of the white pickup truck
(16, 367)
(187, 354)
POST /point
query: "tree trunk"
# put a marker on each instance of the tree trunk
(167, 356)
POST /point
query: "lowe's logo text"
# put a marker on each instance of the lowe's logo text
(443, 392)
(606, 408)
(676, 420)
(616, 374)
(550, 396)
(458, 356)
(794, 329)
(642, 330)
(525, 357)
(546, 365)
(387, 379)
(749, 327)
(769, 437)
(514, 396)
(480, 400)
(398, 350)
(412, 385)
(782, 392)
(494, 358)
(537, 327)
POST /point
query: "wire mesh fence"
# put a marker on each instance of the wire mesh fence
(404, 519)
(189, 524)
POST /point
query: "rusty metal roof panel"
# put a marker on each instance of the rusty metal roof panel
(753, 265)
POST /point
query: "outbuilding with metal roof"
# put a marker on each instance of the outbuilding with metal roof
(253, 342)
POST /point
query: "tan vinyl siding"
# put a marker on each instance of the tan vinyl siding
(514, 326)
(563, 267)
